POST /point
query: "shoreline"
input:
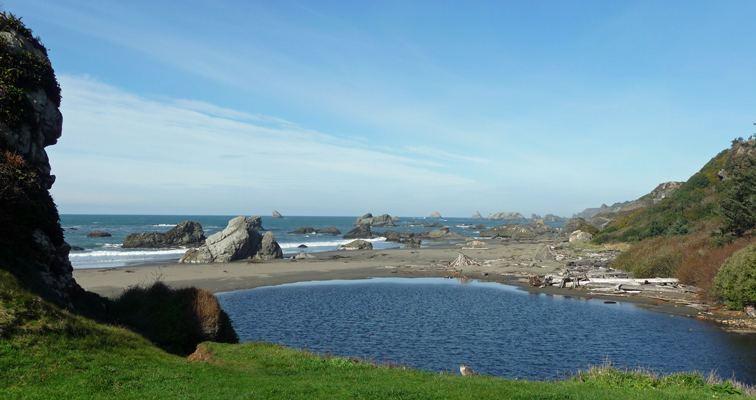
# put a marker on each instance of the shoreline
(502, 262)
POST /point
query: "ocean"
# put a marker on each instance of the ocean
(106, 252)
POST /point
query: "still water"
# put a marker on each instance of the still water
(436, 324)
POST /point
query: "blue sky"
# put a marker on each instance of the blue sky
(399, 107)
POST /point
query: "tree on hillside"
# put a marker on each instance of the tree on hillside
(738, 207)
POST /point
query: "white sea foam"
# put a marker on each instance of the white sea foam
(112, 245)
(330, 243)
(164, 224)
(124, 254)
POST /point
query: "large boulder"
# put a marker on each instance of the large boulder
(441, 234)
(269, 248)
(357, 245)
(571, 225)
(277, 215)
(360, 232)
(543, 253)
(187, 233)
(580, 236)
(395, 219)
(240, 240)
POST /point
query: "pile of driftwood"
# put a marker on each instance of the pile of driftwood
(463, 261)
(609, 281)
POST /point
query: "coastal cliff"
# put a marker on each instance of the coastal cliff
(32, 246)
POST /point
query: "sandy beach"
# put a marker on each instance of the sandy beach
(499, 261)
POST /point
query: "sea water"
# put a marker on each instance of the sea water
(107, 251)
(436, 324)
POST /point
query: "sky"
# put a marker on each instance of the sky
(400, 107)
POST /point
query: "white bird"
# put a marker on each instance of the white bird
(465, 370)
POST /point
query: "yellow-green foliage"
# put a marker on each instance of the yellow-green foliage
(736, 281)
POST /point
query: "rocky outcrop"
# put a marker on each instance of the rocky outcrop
(255, 222)
(360, 232)
(554, 218)
(187, 233)
(357, 245)
(599, 222)
(98, 234)
(535, 217)
(329, 231)
(302, 231)
(240, 240)
(277, 215)
(479, 226)
(571, 225)
(269, 248)
(661, 192)
(32, 245)
(477, 215)
(510, 216)
(588, 213)
(395, 219)
(517, 231)
(441, 234)
(435, 215)
(580, 236)
(368, 219)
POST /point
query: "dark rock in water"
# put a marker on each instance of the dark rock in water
(269, 248)
(276, 215)
(360, 232)
(392, 236)
(441, 234)
(77, 248)
(187, 233)
(98, 234)
(73, 229)
(330, 231)
(411, 242)
(427, 224)
(240, 240)
(479, 226)
(302, 231)
(301, 246)
(357, 245)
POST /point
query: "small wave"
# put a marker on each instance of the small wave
(125, 253)
(112, 245)
(164, 224)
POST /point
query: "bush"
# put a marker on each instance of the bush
(736, 281)
(587, 228)
(175, 319)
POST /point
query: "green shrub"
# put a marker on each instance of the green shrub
(735, 282)
(587, 228)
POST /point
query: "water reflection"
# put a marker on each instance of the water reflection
(437, 324)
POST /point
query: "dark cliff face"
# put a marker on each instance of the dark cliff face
(31, 240)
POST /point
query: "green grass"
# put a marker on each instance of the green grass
(46, 352)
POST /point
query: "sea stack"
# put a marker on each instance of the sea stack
(277, 215)
(435, 215)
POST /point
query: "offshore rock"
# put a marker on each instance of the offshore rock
(360, 232)
(435, 215)
(477, 215)
(507, 216)
(395, 219)
(357, 245)
(329, 231)
(368, 219)
(276, 215)
(187, 233)
(240, 240)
